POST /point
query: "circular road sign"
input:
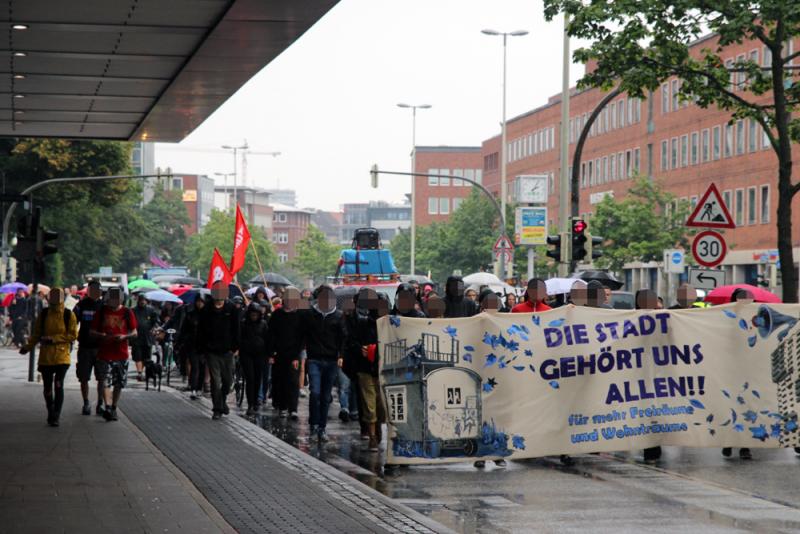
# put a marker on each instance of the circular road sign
(709, 248)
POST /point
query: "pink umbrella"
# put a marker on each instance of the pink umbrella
(723, 294)
(179, 289)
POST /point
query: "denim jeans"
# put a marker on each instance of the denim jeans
(348, 394)
(321, 376)
(265, 382)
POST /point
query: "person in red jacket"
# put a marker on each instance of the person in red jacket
(535, 296)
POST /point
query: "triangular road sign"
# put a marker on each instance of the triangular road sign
(503, 243)
(711, 211)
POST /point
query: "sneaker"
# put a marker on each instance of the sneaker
(322, 435)
(114, 414)
(293, 416)
(726, 452)
(250, 411)
(54, 422)
(193, 396)
(500, 463)
(225, 409)
(566, 459)
(216, 417)
(344, 416)
(282, 414)
(87, 408)
(99, 410)
(303, 393)
(745, 454)
(479, 464)
(313, 430)
(139, 377)
(107, 414)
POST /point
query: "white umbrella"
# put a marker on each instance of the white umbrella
(252, 291)
(559, 286)
(159, 295)
(489, 280)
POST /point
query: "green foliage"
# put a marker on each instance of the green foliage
(316, 256)
(218, 232)
(165, 219)
(641, 226)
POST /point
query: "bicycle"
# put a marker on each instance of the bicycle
(6, 333)
(238, 383)
(169, 352)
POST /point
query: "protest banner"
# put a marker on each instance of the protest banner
(579, 380)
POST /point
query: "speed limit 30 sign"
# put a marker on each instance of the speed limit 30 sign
(709, 248)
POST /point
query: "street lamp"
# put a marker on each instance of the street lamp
(225, 184)
(413, 109)
(503, 155)
(235, 149)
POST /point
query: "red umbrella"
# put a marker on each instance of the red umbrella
(7, 300)
(179, 289)
(723, 294)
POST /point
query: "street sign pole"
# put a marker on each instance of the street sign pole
(531, 258)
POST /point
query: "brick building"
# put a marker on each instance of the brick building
(255, 203)
(289, 225)
(197, 193)
(683, 146)
(437, 198)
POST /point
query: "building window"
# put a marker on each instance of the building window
(766, 57)
(716, 142)
(583, 175)
(621, 165)
(444, 206)
(530, 144)
(280, 237)
(675, 102)
(739, 137)
(612, 114)
(739, 207)
(621, 113)
(684, 150)
(729, 67)
(552, 136)
(693, 201)
(469, 174)
(664, 98)
(752, 206)
(765, 144)
(443, 181)
(764, 204)
(636, 157)
(433, 206)
(590, 173)
(478, 176)
(694, 148)
(551, 183)
(283, 257)
(726, 198)
(740, 75)
(704, 146)
(728, 140)
(664, 155)
(177, 183)
(752, 137)
(280, 217)
(612, 175)
(604, 170)
(457, 202)
(674, 153)
(637, 109)
(433, 180)
(628, 163)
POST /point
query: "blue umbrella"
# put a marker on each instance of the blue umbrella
(159, 295)
(190, 296)
(13, 287)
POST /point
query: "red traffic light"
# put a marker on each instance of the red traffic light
(579, 226)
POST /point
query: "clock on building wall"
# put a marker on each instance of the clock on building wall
(531, 189)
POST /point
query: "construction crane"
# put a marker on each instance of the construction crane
(244, 151)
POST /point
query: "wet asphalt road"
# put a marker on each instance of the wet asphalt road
(688, 490)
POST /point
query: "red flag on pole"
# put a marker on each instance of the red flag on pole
(218, 271)
(241, 238)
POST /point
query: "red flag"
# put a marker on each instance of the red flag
(218, 271)
(241, 238)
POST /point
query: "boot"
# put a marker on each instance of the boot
(372, 444)
(49, 403)
(364, 431)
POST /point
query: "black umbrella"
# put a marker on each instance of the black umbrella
(607, 279)
(419, 278)
(274, 279)
(143, 289)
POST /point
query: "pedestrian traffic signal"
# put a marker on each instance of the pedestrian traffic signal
(554, 240)
(595, 241)
(25, 249)
(579, 239)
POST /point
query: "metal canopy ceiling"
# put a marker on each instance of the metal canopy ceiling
(135, 69)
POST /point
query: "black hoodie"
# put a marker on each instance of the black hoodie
(285, 337)
(323, 334)
(254, 341)
(456, 305)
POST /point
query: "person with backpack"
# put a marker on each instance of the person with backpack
(55, 330)
(142, 347)
(87, 345)
(113, 325)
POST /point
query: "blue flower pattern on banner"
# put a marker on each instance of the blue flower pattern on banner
(518, 442)
(759, 431)
(394, 320)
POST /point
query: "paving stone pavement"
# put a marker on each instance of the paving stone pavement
(257, 482)
(88, 475)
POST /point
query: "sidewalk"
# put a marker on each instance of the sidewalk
(167, 467)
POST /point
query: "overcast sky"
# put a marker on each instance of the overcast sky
(328, 103)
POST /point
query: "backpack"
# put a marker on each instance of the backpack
(43, 318)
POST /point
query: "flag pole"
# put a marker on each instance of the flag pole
(258, 261)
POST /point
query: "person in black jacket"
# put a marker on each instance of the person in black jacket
(285, 348)
(456, 305)
(142, 346)
(405, 302)
(323, 332)
(187, 339)
(18, 311)
(219, 341)
(87, 345)
(253, 346)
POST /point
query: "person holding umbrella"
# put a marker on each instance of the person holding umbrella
(18, 311)
(146, 320)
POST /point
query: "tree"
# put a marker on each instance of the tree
(641, 226)
(639, 44)
(316, 256)
(165, 220)
(218, 232)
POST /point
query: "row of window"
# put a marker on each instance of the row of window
(280, 217)
(280, 237)
(531, 144)
(610, 168)
(747, 208)
(470, 174)
(283, 257)
(617, 114)
(442, 205)
(711, 144)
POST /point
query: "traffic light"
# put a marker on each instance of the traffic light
(594, 246)
(44, 247)
(554, 240)
(25, 249)
(579, 239)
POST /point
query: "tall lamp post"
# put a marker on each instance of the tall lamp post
(413, 109)
(235, 150)
(503, 155)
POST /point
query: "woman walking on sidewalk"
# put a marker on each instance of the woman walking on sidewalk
(54, 330)
(253, 347)
(285, 348)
